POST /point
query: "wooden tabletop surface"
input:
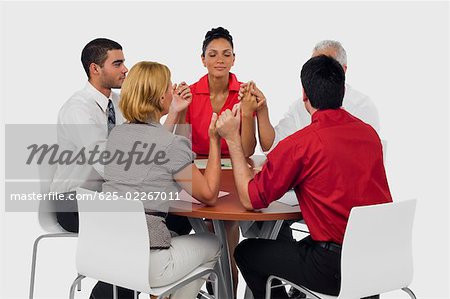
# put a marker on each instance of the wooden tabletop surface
(229, 207)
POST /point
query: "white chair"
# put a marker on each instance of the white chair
(114, 247)
(47, 219)
(376, 252)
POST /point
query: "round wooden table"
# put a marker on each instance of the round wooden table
(229, 207)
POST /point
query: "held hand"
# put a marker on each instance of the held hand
(260, 98)
(212, 131)
(242, 90)
(229, 123)
(248, 101)
(182, 97)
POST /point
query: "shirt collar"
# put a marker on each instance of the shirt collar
(320, 115)
(99, 97)
(203, 84)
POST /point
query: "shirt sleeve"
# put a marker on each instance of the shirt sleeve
(277, 175)
(369, 114)
(78, 123)
(181, 154)
(361, 106)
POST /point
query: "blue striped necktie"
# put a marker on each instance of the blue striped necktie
(111, 116)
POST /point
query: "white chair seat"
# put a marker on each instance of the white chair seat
(376, 252)
(107, 228)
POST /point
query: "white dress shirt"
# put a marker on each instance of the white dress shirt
(355, 102)
(83, 122)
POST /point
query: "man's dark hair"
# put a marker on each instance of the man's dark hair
(323, 80)
(216, 33)
(96, 51)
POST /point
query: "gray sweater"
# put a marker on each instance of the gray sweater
(146, 158)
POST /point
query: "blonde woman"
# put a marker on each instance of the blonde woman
(162, 164)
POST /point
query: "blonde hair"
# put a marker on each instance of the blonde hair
(142, 90)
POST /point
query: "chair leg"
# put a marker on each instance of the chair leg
(216, 286)
(33, 267)
(115, 292)
(284, 282)
(269, 287)
(74, 283)
(79, 286)
(136, 295)
(33, 259)
(409, 292)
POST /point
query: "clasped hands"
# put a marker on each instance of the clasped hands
(228, 123)
(251, 98)
(181, 97)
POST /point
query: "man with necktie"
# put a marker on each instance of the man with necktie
(84, 123)
(86, 120)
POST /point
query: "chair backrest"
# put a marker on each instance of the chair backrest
(377, 249)
(47, 212)
(113, 242)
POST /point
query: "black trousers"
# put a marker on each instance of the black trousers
(102, 290)
(285, 233)
(303, 263)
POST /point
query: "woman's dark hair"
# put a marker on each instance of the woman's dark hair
(323, 80)
(216, 33)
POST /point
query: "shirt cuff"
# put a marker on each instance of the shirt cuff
(253, 194)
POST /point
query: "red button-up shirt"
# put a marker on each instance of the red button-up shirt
(333, 164)
(200, 111)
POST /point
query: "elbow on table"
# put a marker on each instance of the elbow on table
(266, 145)
(208, 197)
(249, 151)
(247, 205)
(249, 154)
(211, 202)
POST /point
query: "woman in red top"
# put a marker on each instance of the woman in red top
(216, 92)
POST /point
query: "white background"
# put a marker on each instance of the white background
(398, 53)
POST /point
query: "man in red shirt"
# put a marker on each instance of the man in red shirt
(333, 165)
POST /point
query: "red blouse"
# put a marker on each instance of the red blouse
(200, 111)
(333, 164)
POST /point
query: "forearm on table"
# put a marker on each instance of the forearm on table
(266, 132)
(213, 167)
(241, 172)
(248, 138)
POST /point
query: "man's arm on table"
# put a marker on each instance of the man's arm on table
(241, 171)
(228, 127)
(276, 177)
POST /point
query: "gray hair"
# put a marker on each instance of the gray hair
(341, 55)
